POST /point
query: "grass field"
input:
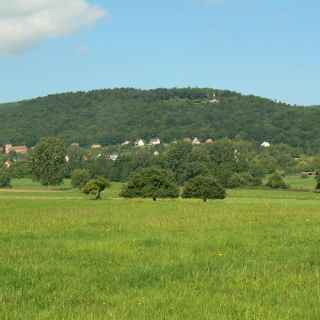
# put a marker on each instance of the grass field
(296, 182)
(254, 255)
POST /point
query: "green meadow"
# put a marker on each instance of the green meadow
(255, 255)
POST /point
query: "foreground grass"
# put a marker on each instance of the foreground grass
(253, 256)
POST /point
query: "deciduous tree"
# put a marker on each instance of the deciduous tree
(203, 187)
(48, 161)
(151, 183)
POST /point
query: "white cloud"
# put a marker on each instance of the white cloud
(23, 23)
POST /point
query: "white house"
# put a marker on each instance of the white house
(155, 142)
(213, 99)
(156, 153)
(75, 145)
(125, 143)
(140, 143)
(114, 156)
(196, 141)
(7, 148)
(96, 146)
(265, 144)
(209, 141)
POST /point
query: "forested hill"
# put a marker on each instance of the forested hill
(113, 116)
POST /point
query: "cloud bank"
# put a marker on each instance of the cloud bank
(24, 23)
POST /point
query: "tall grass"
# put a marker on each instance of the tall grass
(254, 255)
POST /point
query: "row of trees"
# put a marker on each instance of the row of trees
(244, 159)
(152, 183)
(226, 164)
(232, 163)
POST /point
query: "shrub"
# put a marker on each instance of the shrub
(203, 187)
(5, 180)
(79, 178)
(20, 169)
(276, 181)
(95, 187)
(236, 181)
(318, 183)
(250, 180)
(151, 183)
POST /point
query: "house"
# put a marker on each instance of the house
(139, 143)
(213, 99)
(66, 158)
(96, 146)
(155, 142)
(209, 141)
(156, 153)
(265, 144)
(196, 141)
(125, 143)
(113, 157)
(8, 148)
(75, 145)
(187, 140)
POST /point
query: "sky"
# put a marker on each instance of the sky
(266, 48)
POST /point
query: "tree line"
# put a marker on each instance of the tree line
(160, 171)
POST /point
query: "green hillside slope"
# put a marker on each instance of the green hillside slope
(113, 116)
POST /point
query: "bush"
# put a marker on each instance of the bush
(20, 170)
(236, 181)
(95, 187)
(5, 180)
(276, 181)
(151, 183)
(203, 187)
(318, 183)
(79, 178)
(250, 180)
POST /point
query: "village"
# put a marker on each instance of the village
(21, 151)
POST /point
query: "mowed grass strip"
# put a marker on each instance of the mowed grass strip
(253, 256)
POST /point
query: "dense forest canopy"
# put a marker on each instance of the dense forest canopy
(112, 116)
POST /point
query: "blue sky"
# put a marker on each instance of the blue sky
(268, 48)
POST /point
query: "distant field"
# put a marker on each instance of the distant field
(254, 255)
(29, 184)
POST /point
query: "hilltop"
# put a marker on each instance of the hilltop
(112, 116)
